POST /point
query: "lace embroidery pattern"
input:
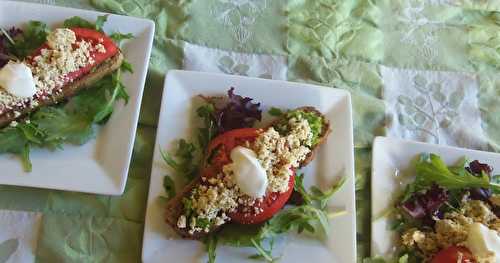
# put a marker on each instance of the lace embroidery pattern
(202, 58)
(437, 107)
(421, 33)
(238, 16)
(431, 110)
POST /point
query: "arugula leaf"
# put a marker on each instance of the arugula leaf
(33, 36)
(316, 194)
(77, 21)
(12, 140)
(169, 186)
(209, 129)
(118, 37)
(25, 158)
(127, 67)
(184, 162)
(262, 252)
(99, 23)
(113, 85)
(276, 112)
(432, 169)
(211, 246)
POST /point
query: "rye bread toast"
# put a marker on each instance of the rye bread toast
(97, 73)
(175, 207)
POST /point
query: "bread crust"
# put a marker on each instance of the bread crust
(68, 91)
(175, 207)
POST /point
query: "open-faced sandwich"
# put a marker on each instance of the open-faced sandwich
(43, 77)
(449, 214)
(246, 175)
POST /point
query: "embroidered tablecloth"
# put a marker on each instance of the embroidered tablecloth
(426, 70)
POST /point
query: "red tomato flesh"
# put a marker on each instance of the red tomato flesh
(218, 153)
(94, 37)
(269, 206)
(454, 254)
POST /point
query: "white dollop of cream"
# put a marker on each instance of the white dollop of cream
(483, 242)
(17, 79)
(249, 174)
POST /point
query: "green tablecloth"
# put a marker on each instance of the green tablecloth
(388, 54)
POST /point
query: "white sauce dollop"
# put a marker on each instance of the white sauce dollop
(483, 241)
(249, 174)
(17, 79)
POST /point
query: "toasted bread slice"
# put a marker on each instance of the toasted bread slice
(175, 207)
(97, 73)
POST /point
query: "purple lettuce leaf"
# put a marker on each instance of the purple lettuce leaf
(234, 111)
(426, 204)
(477, 168)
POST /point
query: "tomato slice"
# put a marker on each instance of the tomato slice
(94, 37)
(270, 205)
(454, 254)
(218, 155)
(219, 149)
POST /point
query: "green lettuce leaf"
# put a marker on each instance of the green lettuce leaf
(432, 169)
(62, 126)
(34, 35)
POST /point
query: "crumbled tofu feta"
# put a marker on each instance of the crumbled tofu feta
(279, 155)
(61, 39)
(479, 211)
(449, 232)
(100, 48)
(181, 222)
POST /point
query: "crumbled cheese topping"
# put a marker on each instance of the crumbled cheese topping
(65, 54)
(61, 39)
(220, 195)
(100, 48)
(280, 155)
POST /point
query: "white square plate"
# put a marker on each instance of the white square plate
(101, 165)
(394, 156)
(334, 160)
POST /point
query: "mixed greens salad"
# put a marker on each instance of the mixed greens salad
(436, 212)
(73, 122)
(307, 209)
